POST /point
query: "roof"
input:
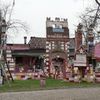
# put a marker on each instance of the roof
(34, 43)
(26, 54)
(83, 48)
(37, 42)
(18, 46)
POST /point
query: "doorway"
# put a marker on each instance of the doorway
(58, 65)
(82, 71)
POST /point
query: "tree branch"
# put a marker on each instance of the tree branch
(97, 2)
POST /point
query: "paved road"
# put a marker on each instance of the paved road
(60, 94)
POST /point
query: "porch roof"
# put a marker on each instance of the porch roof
(26, 54)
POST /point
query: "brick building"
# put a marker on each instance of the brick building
(23, 57)
(57, 40)
(54, 50)
(78, 37)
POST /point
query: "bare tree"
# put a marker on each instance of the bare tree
(90, 20)
(98, 2)
(14, 25)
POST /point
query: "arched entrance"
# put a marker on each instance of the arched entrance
(58, 65)
(82, 72)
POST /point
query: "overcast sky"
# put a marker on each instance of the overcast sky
(34, 13)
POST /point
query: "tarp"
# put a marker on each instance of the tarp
(97, 50)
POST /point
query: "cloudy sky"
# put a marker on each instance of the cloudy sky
(34, 13)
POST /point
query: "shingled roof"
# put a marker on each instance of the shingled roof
(37, 43)
(18, 46)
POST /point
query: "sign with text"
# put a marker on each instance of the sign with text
(58, 30)
(80, 60)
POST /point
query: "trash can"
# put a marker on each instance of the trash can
(42, 82)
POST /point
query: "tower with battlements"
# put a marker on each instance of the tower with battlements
(57, 42)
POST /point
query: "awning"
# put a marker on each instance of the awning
(27, 54)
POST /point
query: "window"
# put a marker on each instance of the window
(54, 25)
(47, 51)
(71, 50)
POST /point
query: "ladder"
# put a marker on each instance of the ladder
(6, 73)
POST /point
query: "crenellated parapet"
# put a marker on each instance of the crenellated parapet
(57, 22)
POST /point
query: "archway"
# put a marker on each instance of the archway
(58, 65)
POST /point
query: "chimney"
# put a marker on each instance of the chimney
(25, 40)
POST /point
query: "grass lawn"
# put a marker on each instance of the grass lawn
(33, 85)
